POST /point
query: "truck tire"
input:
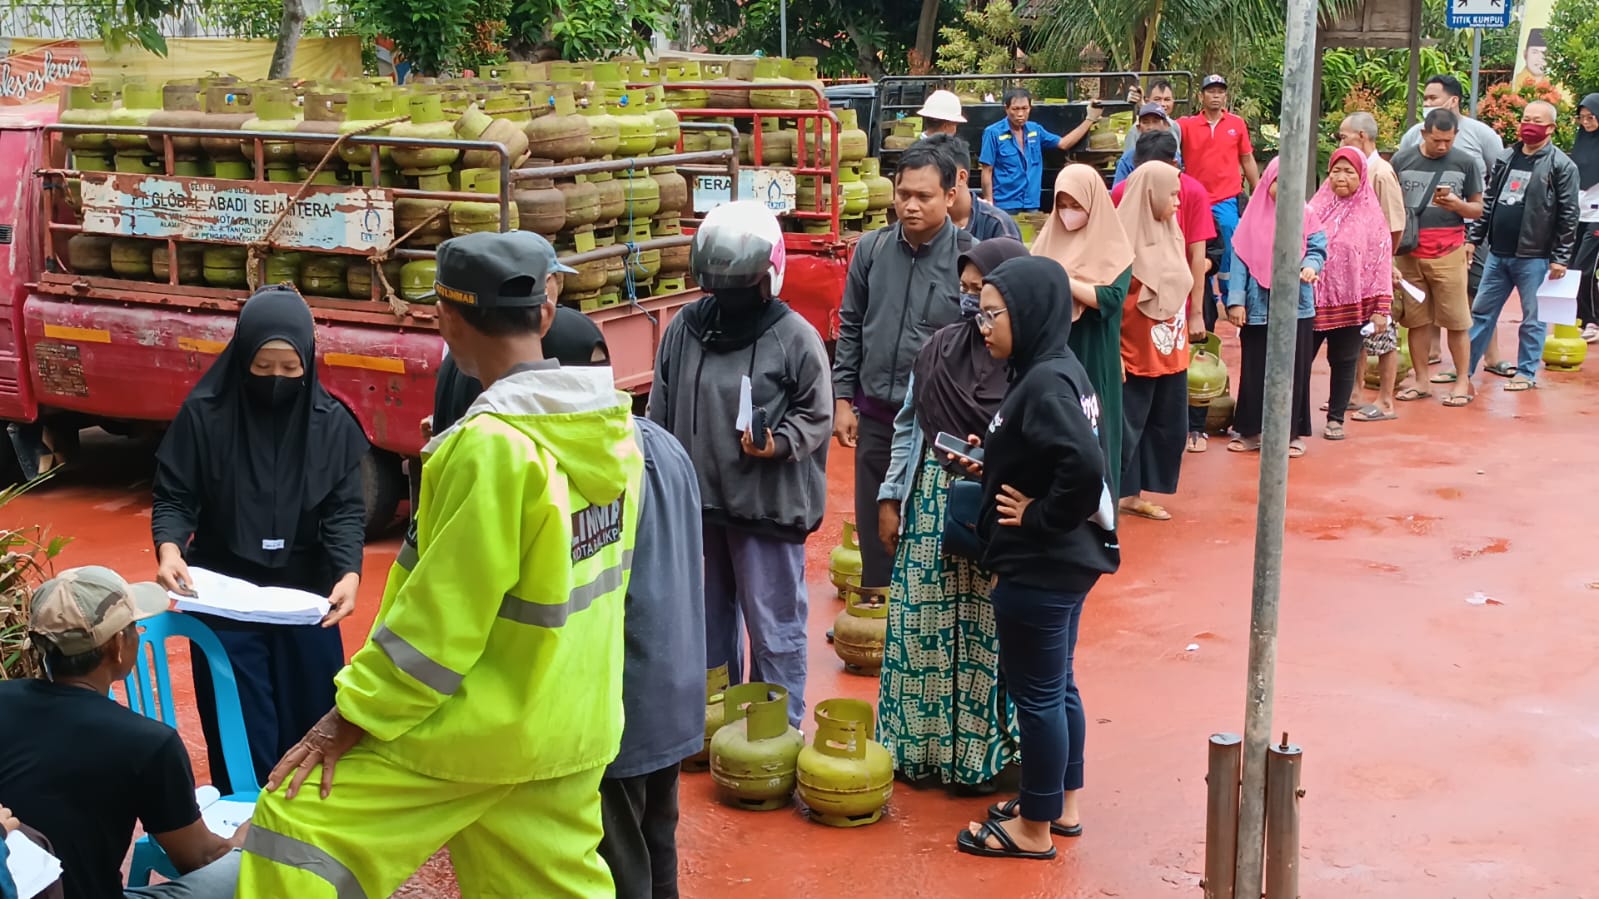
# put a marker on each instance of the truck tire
(383, 485)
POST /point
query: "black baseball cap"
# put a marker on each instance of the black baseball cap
(1212, 81)
(495, 270)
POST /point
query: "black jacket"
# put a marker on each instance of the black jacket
(1549, 223)
(1046, 442)
(895, 298)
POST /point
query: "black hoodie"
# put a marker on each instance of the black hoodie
(1048, 443)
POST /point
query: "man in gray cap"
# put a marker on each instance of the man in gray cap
(80, 768)
(485, 707)
(1152, 116)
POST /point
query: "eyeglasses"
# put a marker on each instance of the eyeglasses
(987, 318)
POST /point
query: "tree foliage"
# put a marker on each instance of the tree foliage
(848, 37)
(1573, 39)
(986, 40)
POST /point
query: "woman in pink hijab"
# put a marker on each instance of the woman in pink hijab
(1356, 285)
(1248, 297)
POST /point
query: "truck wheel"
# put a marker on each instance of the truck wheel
(383, 486)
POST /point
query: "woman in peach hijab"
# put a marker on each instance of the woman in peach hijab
(1154, 339)
(1084, 235)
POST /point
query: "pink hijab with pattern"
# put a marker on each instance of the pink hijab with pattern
(1359, 246)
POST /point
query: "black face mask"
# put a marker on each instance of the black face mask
(740, 303)
(273, 391)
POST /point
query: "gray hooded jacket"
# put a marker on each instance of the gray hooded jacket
(696, 397)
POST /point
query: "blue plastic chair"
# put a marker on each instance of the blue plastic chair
(149, 692)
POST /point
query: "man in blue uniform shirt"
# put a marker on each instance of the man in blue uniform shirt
(1012, 156)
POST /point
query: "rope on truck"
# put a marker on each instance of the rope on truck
(258, 247)
(397, 304)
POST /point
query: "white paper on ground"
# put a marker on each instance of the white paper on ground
(240, 600)
(1416, 293)
(30, 867)
(1557, 299)
(746, 403)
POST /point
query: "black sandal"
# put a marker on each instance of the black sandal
(1007, 810)
(977, 844)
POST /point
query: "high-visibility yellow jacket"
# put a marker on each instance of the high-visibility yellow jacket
(496, 656)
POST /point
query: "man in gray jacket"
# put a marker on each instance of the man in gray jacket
(741, 381)
(903, 285)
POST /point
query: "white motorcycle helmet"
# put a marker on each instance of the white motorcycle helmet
(738, 245)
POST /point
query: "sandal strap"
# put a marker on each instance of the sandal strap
(991, 828)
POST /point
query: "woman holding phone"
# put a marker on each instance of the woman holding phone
(942, 711)
(1048, 527)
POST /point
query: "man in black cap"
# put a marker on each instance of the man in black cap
(483, 710)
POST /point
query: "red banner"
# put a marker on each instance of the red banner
(42, 73)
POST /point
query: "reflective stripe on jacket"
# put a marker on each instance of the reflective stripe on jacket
(496, 656)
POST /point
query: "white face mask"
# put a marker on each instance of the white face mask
(1073, 219)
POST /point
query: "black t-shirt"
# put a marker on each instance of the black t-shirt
(80, 768)
(1504, 231)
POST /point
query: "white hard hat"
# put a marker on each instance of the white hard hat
(943, 106)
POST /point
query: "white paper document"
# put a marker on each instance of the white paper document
(222, 816)
(1416, 293)
(31, 868)
(1557, 299)
(225, 816)
(240, 600)
(746, 404)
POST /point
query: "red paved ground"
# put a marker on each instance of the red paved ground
(1450, 748)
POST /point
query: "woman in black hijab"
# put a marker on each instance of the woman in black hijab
(1585, 153)
(943, 713)
(259, 478)
(1048, 526)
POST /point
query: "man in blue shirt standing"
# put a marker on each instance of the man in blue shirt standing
(1012, 156)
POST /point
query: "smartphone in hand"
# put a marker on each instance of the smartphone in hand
(955, 446)
(758, 428)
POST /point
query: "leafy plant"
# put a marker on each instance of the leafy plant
(1572, 36)
(27, 555)
(847, 37)
(986, 40)
(1502, 106)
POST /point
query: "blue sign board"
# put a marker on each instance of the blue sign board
(1478, 14)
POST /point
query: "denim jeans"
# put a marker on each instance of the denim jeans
(1037, 638)
(1499, 275)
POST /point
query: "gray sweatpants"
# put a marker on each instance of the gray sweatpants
(759, 583)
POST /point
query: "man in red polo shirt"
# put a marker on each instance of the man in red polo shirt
(1218, 154)
(1198, 227)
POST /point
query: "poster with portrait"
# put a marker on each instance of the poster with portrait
(1531, 47)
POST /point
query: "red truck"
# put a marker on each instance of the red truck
(79, 351)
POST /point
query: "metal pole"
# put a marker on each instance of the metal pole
(1476, 66)
(1282, 317)
(782, 28)
(1221, 815)
(1283, 764)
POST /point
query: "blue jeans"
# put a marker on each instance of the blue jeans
(758, 584)
(1037, 638)
(1226, 215)
(1499, 275)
